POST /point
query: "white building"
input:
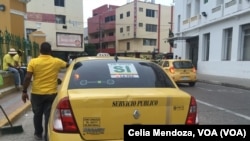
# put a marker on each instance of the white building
(215, 35)
(62, 23)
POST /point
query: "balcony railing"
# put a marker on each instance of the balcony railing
(186, 21)
(231, 3)
(104, 39)
(108, 38)
(216, 13)
(216, 9)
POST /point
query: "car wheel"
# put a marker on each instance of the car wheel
(191, 84)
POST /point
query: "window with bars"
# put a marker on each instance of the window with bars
(60, 19)
(206, 46)
(121, 30)
(245, 47)
(128, 14)
(227, 45)
(128, 28)
(149, 42)
(151, 13)
(109, 18)
(128, 45)
(151, 28)
(59, 3)
(141, 9)
(121, 16)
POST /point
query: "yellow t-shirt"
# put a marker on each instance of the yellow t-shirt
(7, 59)
(45, 69)
(18, 59)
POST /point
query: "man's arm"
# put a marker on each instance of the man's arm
(16, 58)
(10, 65)
(26, 84)
(16, 64)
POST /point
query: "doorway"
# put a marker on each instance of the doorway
(193, 50)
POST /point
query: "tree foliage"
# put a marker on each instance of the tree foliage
(90, 49)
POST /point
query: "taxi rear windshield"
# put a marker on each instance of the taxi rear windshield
(183, 64)
(118, 74)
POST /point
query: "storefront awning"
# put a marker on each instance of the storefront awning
(180, 38)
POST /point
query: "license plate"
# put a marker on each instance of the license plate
(185, 78)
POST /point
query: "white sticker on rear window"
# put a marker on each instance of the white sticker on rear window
(122, 70)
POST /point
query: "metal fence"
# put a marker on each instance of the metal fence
(8, 40)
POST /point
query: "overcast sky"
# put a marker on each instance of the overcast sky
(89, 5)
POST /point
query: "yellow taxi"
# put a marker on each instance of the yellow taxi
(181, 70)
(100, 94)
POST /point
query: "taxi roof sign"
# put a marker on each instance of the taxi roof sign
(103, 54)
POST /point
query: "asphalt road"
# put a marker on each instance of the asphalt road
(216, 105)
(221, 105)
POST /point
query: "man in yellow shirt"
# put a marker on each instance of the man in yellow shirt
(18, 63)
(44, 69)
(9, 65)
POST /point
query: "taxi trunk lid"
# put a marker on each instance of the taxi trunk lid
(101, 113)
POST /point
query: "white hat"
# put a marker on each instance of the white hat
(12, 51)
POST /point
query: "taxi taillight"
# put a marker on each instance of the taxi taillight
(63, 119)
(171, 69)
(192, 117)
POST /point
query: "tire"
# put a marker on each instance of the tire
(191, 84)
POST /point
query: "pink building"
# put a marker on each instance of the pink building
(101, 28)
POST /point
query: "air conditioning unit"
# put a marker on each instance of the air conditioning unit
(64, 26)
(25, 1)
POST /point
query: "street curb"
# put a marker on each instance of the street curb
(235, 85)
(224, 84)
(16, 114)
(6, 91)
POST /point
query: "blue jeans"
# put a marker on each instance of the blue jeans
(17, 75)
(22, 72)
(41, 105)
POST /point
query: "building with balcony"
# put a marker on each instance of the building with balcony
(136, 29)
(142, 28)
(61, 21)
(215, 35)
(101, 28)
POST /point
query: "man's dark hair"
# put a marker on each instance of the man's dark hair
(20, 52)
(45, 48)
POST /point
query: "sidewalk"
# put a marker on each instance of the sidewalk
(225, 81)
(13, 104)
(15, 107)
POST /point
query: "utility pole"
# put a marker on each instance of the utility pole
(171, 24)
(100, 33)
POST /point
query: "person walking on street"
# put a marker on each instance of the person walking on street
(9, 65)
(18, 64)
(44, 69)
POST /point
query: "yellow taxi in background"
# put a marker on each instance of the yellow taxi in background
(100, 94)
(181, 70)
